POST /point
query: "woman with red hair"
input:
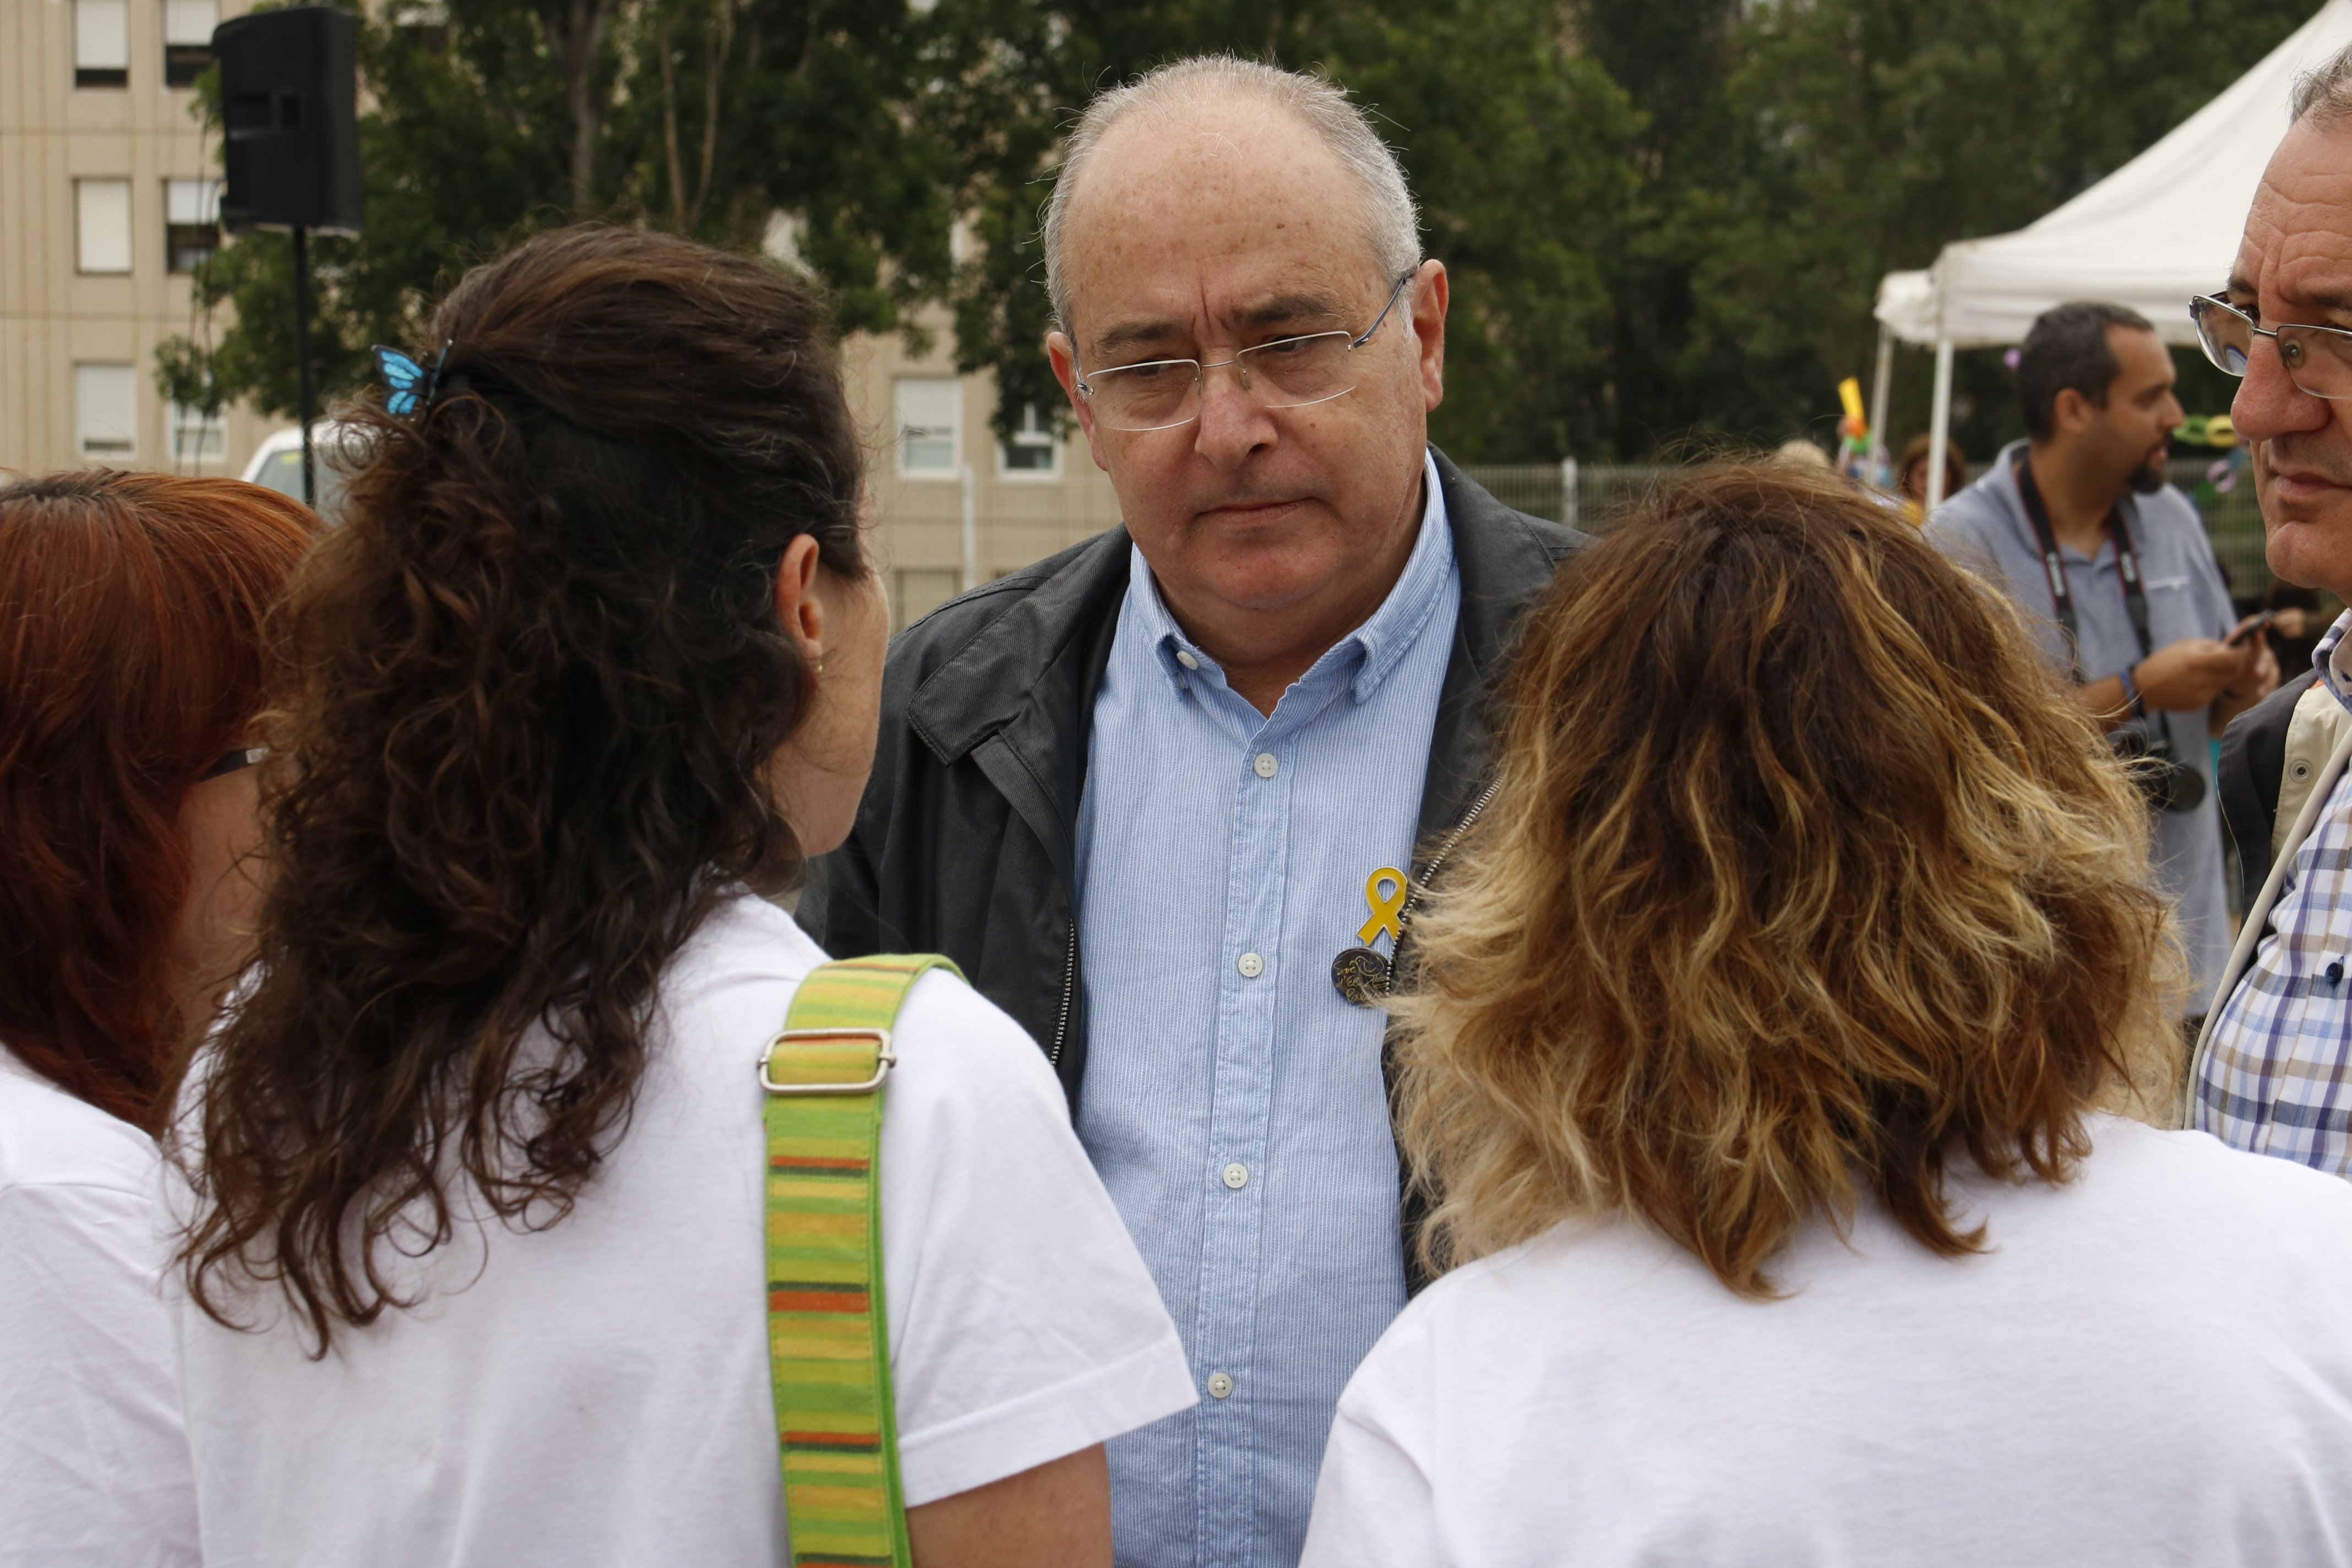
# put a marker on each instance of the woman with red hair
(131, 671)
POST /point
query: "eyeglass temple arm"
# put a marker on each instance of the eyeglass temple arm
(1395, 295)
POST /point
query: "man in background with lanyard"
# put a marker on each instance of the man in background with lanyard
(2113, 566)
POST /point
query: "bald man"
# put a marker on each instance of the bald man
(1161, 794)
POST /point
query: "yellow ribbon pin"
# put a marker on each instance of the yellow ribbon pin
(1387, 907)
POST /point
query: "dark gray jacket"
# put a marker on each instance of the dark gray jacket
(965, 843)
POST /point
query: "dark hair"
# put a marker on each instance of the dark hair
(130, 616)
(1956, 463)
(1804, 878)
(539, 681)
(2067, 350)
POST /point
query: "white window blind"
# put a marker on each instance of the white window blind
(190, 22)
(102, 35)
(196, 439)
(102, 226)
(928, 408)
(106, 409)
(191, 201)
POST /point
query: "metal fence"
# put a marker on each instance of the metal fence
(1589, 495)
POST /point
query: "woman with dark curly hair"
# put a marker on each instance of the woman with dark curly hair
(475, 1259)
(1755, 1066)
(132, 667)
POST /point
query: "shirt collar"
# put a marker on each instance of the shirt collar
(2003, 475)
(1377, 646)
(2338, 681)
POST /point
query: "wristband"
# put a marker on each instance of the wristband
(2131, 692)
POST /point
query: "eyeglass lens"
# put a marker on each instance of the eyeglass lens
(2318, 360)
(1289, 373)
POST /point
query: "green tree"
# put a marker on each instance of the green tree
(1870, 133)
(1516, 148)
(500, 117)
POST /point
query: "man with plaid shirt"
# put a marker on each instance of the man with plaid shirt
(2273, 1071)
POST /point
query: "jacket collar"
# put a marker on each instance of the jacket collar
(1001, 673)
(1505, 562)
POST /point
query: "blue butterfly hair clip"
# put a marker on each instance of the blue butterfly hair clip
(411, 390)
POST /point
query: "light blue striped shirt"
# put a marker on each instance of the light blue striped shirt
(2277, 1073)
(1233, 1100)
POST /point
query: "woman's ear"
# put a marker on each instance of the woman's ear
(798, 609)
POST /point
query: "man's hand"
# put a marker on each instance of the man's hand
(2183, 676)
(2258, 677)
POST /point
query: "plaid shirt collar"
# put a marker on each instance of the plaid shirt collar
(2323, 659)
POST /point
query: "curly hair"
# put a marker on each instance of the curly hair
(131, 658)
(537, 679)
(1802, 875)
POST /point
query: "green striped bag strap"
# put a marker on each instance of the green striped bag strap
(829, 1336)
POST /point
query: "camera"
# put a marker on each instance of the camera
(2165, 781)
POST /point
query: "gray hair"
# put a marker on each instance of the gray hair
(1391, 222)
(2323, 95)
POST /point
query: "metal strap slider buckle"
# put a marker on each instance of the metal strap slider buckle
(883, 1061)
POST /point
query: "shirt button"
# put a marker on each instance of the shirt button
(1186, 659)
(1251, 966)
(1266, 765)
(2334, 971)
(1220, 1385)
(1237, 1176)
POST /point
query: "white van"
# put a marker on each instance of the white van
(277, 463)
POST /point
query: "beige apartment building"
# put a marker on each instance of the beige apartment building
(956, 506)
(109, 197)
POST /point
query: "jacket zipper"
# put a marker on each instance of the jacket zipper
(1069, 984)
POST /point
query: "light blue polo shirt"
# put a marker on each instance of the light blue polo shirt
(1985, 528)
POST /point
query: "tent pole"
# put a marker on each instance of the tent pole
(1939, 425)
(1880, 383)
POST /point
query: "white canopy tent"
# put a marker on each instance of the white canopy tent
(2157, 231)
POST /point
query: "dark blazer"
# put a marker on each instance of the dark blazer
(965, 842)
(2253, 763)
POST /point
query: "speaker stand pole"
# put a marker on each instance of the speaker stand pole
(302, 357)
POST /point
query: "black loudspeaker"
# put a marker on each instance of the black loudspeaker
(289, 110)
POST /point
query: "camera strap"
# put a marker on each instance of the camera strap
(2053, 568)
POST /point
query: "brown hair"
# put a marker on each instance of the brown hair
(1955, 465)
(131, 658)
(1802, 877)
(538, 677)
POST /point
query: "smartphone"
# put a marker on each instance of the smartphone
(2247, 629)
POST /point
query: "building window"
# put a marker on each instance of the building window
(188, 39)
(1032, 450)
(101, 43)
(928, 407)
(424, 23)
(197, 439)
(106, 409)
(917, 592)
(191, 222)
(102, 226)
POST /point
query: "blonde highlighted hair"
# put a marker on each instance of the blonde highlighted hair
(1803, 877)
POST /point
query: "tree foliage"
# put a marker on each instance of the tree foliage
(1660, 219)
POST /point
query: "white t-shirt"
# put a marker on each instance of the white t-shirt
(93, 1466)
(598, 1391)
(2153, 1365)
